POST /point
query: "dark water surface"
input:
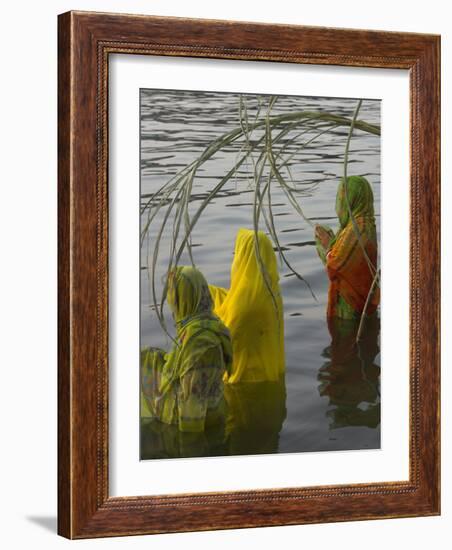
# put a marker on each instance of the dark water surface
(330, 399)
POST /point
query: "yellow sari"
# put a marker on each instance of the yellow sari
(252, 310)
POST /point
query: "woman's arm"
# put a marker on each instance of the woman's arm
(199, 386)
(192, 406)
(152, 362)
(341, 255)
(323, 237)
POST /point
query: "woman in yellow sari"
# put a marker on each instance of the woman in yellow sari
(252, 310)
(185, 387)
(350, 256)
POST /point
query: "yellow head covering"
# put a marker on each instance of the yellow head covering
(252, 310)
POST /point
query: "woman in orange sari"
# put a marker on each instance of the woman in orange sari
(350, 256)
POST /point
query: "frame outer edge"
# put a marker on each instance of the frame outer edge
(433, 170)
(426, 234)
(64, 278)
(438, 146)
(428, 231)
(82, 512)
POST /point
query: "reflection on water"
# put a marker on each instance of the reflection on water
(256, 412)
(256, 415)
(160, 440)
(330, 397)
(350, 378)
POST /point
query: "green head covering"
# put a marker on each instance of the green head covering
(188, 293)
(360, 199)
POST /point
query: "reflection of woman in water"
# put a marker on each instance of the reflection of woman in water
(351, 378)
(252, 310)
(185, 386)
(350, 261)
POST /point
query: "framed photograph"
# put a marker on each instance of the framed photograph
(249, 260)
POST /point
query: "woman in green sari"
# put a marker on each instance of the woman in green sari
(185, 387)
(350, 255)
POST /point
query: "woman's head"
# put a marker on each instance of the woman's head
(360, 197)
(188, 293)
(251, 254)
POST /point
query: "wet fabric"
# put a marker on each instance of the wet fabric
(252, 310)
(351, 255)
(185, 387)
(256, 414)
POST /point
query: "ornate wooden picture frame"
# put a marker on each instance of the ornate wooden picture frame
(86, 40)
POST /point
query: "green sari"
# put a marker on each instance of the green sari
(185, 387)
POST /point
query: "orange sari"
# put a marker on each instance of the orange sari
(351, 255)
(349, 272)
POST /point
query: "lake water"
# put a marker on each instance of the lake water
(330, 399)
